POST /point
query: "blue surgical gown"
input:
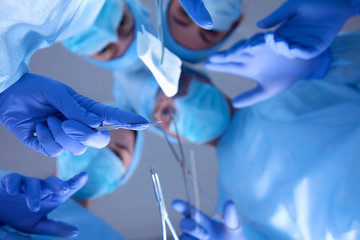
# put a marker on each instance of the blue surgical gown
(29, 25)
(292, 164)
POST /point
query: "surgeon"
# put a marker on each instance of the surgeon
(107, 168)
(289, 163)
(287, 166)
(305, 30)
(192, 43)
(39, 201)
(110, 42)
(28, 100)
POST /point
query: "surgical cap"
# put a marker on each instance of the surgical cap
(101, 33)
(195, 56)
(105, 169)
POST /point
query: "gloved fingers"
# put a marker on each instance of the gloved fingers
(198, 12)
(32, 188)
(71, 186)
(12, 183)
(57, 229)
(183, 207)
(232, 68)
(284, 12)
(33, 142)
(187, 237)
(112, 115)
(85, 135)
(228, 55)
(290, 50)
(66, 102)
(303, 52)
(230, 216)
(47, 141)
(69, 144)
(250, 97)
(54, 185)
(190, 227)
(278, 45)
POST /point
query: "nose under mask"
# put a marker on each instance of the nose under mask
(202, 115)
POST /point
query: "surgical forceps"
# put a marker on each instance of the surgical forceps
(123, 126)
(187, 173)
(180, 160)
(162, 207)
(160, 26)
(117, 126)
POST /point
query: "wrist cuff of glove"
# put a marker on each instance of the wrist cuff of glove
(356, 4)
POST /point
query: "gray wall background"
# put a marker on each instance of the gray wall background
(132, 210)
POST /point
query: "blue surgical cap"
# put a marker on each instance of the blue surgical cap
(101, 33)
(225, 12)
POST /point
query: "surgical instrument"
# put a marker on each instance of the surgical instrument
(117, 126)
(162, 207)
(160, 26)
(123, 126)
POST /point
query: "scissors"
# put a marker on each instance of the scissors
(162, 207)
(160, 26)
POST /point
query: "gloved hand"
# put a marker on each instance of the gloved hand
(25, 203)
(307, 27)
(61, 118)
(274, 73)
(201, 226)
(197, 11)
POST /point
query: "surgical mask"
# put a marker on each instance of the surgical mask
(104, 167)
(223, 13)
(101, 33)
(129, 61)
(202, 115)
(106, 170)
(187, 54)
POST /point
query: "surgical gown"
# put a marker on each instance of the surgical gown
(292, 164)
(29, 25)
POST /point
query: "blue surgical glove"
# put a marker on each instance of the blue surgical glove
(198, 12)
(26, 201)
(273, 72)
(61, 118)
(307, 27)
(201, 226)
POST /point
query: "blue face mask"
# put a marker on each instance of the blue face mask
(129, 61)
(202, 115)
(101, 33)
(104, 167)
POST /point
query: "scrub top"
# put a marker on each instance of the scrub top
(291, 164)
